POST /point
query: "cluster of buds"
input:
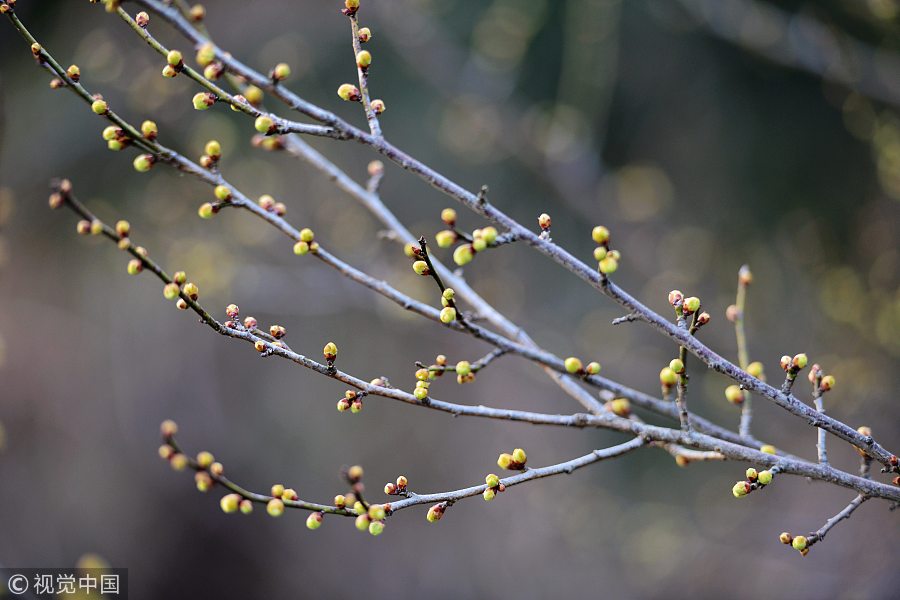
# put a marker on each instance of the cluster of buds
(268, 204)
(174, 64)
(167, 451)
(821, 383)
(687, 306)
(493, 487)
(424, 377)
(465, 373)
(668, 376)
(448, 312)
(397, 488)
(799, 542)
(352, 401)
(178, 286)
(754, 481)
(574, 366)
(116, 139)
(307, 242)
(212, 152)
(607, 259)
(513, 462)
(794, 365)
(280, 495)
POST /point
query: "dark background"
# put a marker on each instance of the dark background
(699, 153)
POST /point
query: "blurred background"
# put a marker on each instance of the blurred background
(704, 133)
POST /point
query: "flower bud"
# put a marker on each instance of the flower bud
(505, 461)
(363, 59)
(799, 543)
(100, 107)
(740, 489)
(123, 228)
(620, 407)
(330, 351)
(745, 277)
(448, 315)
(203, 481)
(181, 304)
(608, 265)
(169, 71)
(785, 537)
(492, 480)
(166, 451)
(197, 13)
(73, 72)
(768, 449)
(206, 54)
(667, 377)
(230, 503)
(203, 100)
(827, 383)
(376, 512)
(222, 192)
(314, 520)
(149, 130)
(799, 361)
(364, 35)
(277, 331)
(355, 473)
(143, 163)
(281, 72)
(205, 459)
(178, 462)
(435, 513)
(206, 210)
(142, 19)
(168, 428)
(246, 507)
(463, 254)
(275, 507)
(264, 124)
(362, 522)
(420, 393)
(677, 365)
(519, 456)
(734, 394)
(213, 148)
(592, 368)
(785, 362)
(676, 298)
(600, 253)
(544, 221)
(755, 369)
(289, 494)
(573, 365)
(488, 494)
(600, 234)
(376, 528)
(703, 318)
(690, 305)
(191, 290)
(349, 92)
(174, 58)
(421, 267)
(751, 474)
(765, 477)
(463, 367)
(445, 238)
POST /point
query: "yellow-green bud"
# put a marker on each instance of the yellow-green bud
(115, 145)
(445, 238)
(505, 460)
(364, 59)
(448, 315)
(691, 305)
(376, 512)
(281, 72)
(489, 494)
(755, 368)
(330, 351)
(96, 227)
(448, 216)
(519, 456)
(206, 211)
(799, 361)
(734, 394)
(264, 124)
(668, 377)
(123, 228)
(364, 35)
(99, 107)
(111, 133)
(213, 148)
(206, 54)
(204, 459)
(174, 58)
(307, 235)
(463, 254)
(421, 267)
(435, 513)
(191, 290)
(74, 72)
(785, 537)
(463, 367)
(230, 503)
(149, 130)
(223, 193)
(677, 365)
(768, 449)
(620, 407)
(314, 520)
(203, 100)
(573, 365)
(420, 393)
(492, 480)
(799, 543)
(600, 253)
(348, 92)
(275, 507)
(600, 234)
(765, 477)
(134, 266)
(362, 522)
(751, 474)
(143, 163)
(592, 368)
(827, 383)
(376, 528)
(740, 489)
(246, 507)
(301, 248)
(608, 265)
